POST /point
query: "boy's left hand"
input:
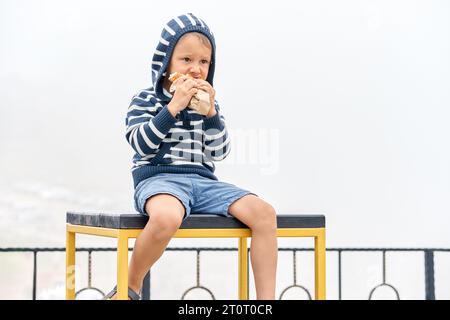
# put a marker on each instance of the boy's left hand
(206, 86)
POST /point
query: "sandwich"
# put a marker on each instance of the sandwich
(199, 102)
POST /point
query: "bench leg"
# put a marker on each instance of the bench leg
(243, 269)
(320, 269)
(122, 267)
(70, 265)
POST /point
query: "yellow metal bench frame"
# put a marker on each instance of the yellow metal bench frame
(123, 235)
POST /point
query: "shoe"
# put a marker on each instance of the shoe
(131, 294)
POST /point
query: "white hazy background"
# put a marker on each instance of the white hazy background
(349, 101)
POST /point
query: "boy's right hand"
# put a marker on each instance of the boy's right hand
(186, 89)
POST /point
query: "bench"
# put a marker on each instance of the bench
(126, 226)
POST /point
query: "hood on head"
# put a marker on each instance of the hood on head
(170, 35)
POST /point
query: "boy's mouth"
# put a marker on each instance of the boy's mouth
(195, 76)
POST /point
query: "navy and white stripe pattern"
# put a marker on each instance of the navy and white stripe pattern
(187, 143)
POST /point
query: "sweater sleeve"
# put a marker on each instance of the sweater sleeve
(217, 140)
(147, 123)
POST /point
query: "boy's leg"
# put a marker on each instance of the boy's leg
(260, 217)
(166, 214)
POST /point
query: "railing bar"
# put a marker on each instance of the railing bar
(146, 286)
(89, 268)
(34, 274)
(429, 272)
(429, 275)
(340, 274)
(226, 249)
(295, 266)
(198, 268)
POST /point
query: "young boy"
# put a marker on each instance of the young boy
(175, 149)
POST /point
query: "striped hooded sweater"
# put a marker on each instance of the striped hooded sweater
(187, 143)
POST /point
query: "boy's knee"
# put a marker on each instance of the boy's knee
(165, 223)
(165, 215)
(266, 217)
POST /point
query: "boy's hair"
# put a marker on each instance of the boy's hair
(204, 39)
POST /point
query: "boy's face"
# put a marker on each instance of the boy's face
(190, 56)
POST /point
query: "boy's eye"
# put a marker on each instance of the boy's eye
(205, 61)
(186, 59)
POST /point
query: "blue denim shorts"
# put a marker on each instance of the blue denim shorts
(197, 193)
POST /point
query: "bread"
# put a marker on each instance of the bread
(200, 102)
(173, 77)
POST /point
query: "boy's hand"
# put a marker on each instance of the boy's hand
(186, 88)
(206, 86)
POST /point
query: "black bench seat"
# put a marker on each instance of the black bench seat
(194, 221)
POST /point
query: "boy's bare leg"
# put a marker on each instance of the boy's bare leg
(166, 215)
(260, 217)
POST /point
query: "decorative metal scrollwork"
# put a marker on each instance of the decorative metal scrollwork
(89, 286)
(295, 285)
(384, 284)
(198, 286)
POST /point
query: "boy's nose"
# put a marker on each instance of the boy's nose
(195, 70)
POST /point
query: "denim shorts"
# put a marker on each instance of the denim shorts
(197, 194)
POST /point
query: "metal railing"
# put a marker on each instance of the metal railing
(428, 259)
